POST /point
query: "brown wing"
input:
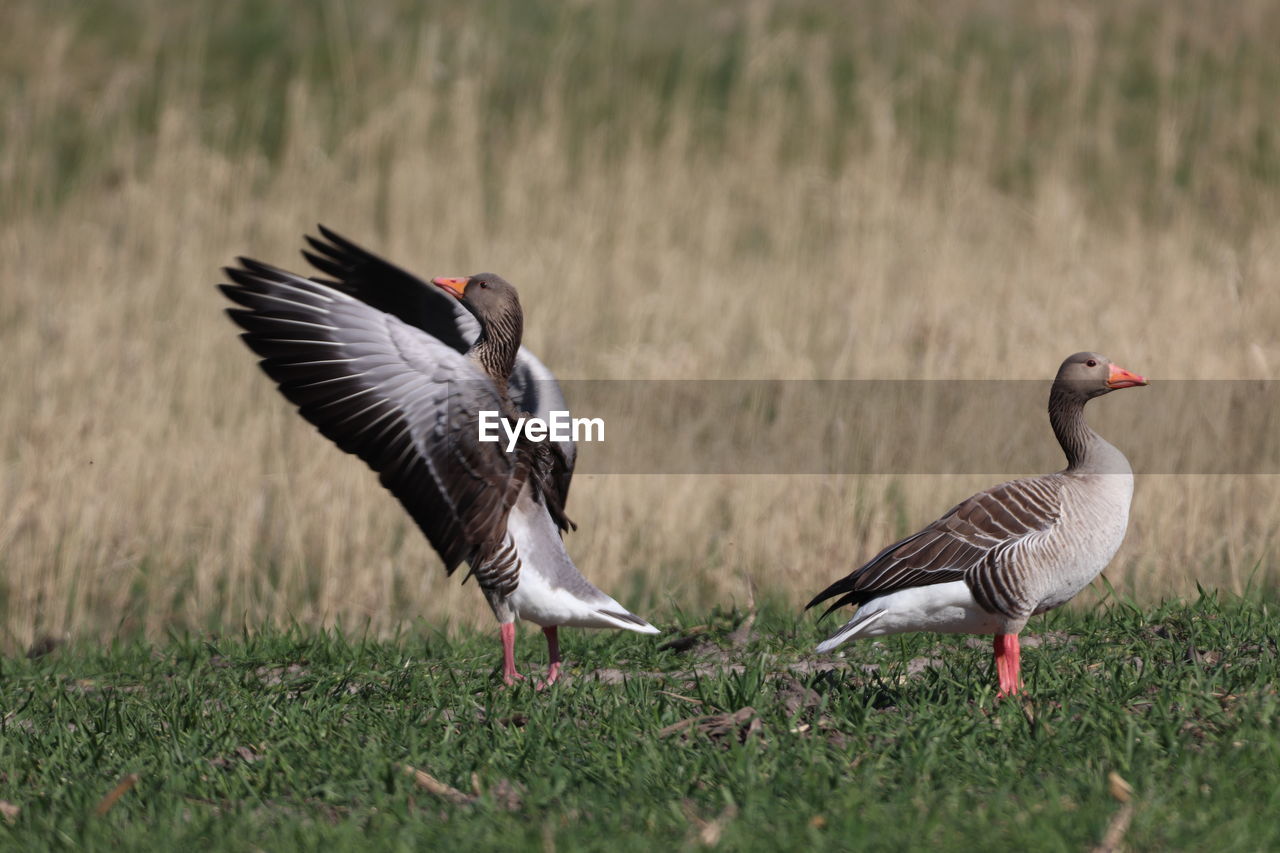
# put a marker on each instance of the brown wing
(403, 401)
(358, 272)
(966, 543)
(374, 281)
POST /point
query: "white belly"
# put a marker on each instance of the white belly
(551, 590)
(943, 608)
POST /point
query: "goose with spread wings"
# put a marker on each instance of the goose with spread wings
(1010, 552)
(397, 372)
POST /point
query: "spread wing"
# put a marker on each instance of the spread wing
(403, 401)
(358, 272)
(374, 281)
(966, 543)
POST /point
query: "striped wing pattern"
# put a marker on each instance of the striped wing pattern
(360, 273)
(369, 278)
(403, 401)
(975, 541)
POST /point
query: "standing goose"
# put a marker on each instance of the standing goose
(381, 368)
(1015, 550)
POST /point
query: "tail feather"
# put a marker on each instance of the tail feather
(628, 621)
(860, 620)
(845, 585)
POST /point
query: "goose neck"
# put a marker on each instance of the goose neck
(1078, 440)
(496, 348)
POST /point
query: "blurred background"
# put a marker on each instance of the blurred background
(774, 190)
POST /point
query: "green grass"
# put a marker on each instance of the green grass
(299, 739)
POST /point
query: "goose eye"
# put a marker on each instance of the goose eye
(484, 285)
(1093, 362)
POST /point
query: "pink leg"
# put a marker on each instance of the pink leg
(507, 631)
(1008, 665)
(553, 652)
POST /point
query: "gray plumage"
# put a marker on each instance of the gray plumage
(1017, 549)
(379, 362)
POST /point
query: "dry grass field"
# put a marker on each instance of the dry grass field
(768, 190)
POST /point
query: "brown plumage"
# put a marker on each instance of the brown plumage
(377, 366)
(1017, 549)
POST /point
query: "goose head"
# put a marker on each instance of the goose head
(1086, 375)
(496, 306)
(488, 296)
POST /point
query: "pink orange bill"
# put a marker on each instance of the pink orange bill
(453, 286)
(1121, 378)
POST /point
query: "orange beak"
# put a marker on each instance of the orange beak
(1121, 378)
(453, 286)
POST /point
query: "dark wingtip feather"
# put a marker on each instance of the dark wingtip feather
(264, 270)
(325, 249)
(834, 589)
(840, 602)
(325, 265)
(819, 598)
(238, 316)
(337, 239)
(245, 279)
(236, 294)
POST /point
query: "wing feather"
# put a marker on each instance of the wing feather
(966, 543)
(355, 271)
(403, 401)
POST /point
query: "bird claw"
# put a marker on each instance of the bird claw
(1010, 688)
(553, 675)
(510, 678)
